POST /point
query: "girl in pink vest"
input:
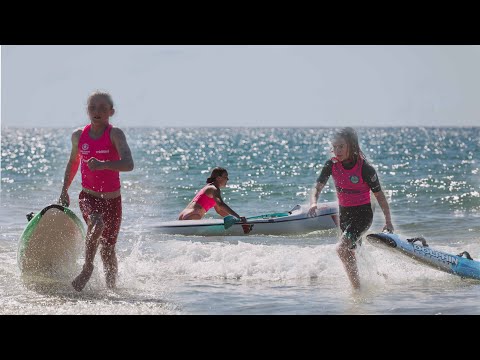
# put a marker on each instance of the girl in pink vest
(101, 151)
(210, 197)
(354, 178)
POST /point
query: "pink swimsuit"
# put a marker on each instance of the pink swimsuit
(203, 200)
(101, 181)
(101, 149)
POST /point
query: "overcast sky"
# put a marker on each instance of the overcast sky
(237, 85)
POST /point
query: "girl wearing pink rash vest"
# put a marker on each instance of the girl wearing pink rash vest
(354, 178)
(101, 151)
(209, 197)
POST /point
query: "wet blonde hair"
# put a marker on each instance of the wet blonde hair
(351, 138)
(99, 93)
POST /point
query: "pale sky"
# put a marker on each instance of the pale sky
(237, 85)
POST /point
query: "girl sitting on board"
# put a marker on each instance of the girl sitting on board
(210, 196)
(354, 177)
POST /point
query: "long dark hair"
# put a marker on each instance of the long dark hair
(351, 138)
(216, 172)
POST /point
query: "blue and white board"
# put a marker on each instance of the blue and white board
(51, 242)
(418, 249)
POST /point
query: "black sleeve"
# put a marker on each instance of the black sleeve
(326, 172)
(370, 177)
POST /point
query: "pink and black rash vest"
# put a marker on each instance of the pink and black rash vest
(102, 149)
(352, 190)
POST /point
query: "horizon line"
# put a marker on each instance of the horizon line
(253, 127)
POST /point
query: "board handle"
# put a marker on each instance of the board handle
(467, 255)
(419, 238)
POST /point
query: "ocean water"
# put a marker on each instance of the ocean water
(431, 176)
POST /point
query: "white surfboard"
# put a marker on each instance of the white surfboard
(294, 222)
(51, 243)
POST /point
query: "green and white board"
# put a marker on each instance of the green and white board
(51, 243)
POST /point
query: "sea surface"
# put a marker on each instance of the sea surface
(430, 175)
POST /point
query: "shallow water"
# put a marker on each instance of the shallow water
(430, 174)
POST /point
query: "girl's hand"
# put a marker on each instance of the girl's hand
(388, 227)
(94, 164)
(64, 199)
